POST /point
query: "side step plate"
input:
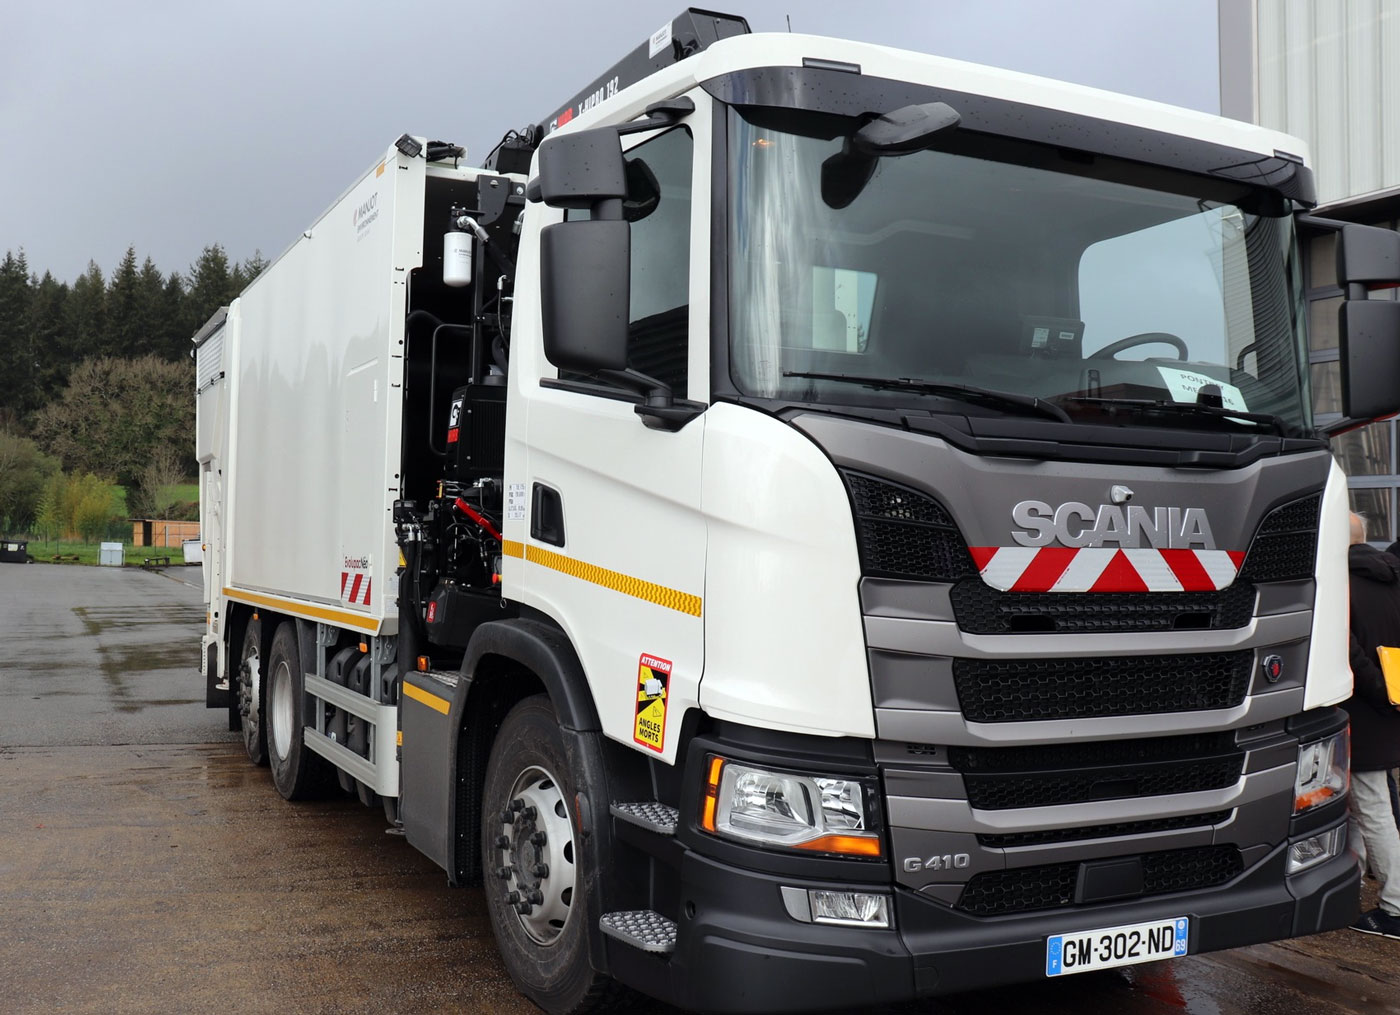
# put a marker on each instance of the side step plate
(653, 816)
(641, 928)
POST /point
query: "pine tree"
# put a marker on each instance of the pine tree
(152, 316)
(211, 287)
(85, 315)
(174, 339)
(53, 352)
(123, 336)
(17, 395)
(243, 274)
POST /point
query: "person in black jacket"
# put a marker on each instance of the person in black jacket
(1375, 725)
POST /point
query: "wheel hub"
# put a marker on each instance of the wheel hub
(535, 853)
(281, 715)
(248, 681)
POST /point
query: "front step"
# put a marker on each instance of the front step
(649, 814)
(641, 928)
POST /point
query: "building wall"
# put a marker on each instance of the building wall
(1328, 71)
(1323, 70)
(162, 533)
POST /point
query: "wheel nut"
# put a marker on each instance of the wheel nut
(503, 842)
(507, 817)
(523, 908)
(538, 839)
(536, 897)
(529, 814)
(503, 873)
(517, 804)
(513, 898)
(540, 870)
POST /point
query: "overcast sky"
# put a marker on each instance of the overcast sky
(173, 124)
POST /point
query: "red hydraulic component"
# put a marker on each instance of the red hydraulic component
(477, 517)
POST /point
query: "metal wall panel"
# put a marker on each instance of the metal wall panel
(1327, 71)
(1388, 66)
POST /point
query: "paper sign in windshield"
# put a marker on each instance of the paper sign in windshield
(1184, 384)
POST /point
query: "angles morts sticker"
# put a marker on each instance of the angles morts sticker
(653, 683)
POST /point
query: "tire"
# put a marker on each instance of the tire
(539, 917)
(298, 772)
(252, 692)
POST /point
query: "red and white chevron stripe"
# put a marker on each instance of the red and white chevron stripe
(357, 582)
(1105, 569)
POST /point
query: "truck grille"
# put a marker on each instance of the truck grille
(1052, 886)
(1285, 545)
(1013, 777)
(981, 609)
(1022, 690)
(904, 533)
(1013, 839)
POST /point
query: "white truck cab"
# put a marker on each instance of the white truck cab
(810, 524)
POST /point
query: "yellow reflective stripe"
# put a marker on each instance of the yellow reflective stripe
(672, 599)
(343, 618)
(426, 697)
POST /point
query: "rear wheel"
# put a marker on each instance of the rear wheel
(297, 771)
(251, 692)
(532, 866)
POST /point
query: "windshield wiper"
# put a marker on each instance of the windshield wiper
(1146, 405)
(962, 392)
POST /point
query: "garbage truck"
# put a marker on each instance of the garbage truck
(809, 524)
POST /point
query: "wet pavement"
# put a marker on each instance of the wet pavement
(145, 866)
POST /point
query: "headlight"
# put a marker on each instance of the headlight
(810, 813)
(1324, 771)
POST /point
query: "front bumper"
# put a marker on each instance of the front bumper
(738, 950)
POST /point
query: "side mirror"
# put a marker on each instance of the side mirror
(585, 289)
(1369, 340)
(585, 265)
(900, 132)
(1368, 255)
(580, 170)
(905, 130)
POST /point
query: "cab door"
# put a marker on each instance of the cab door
(611, 541)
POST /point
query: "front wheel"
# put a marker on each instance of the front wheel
(533, 868)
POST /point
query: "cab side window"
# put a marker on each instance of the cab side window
(658, 206)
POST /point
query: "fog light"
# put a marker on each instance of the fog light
(1315, 849)
(850, 909)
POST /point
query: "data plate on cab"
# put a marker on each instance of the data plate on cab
(1087, 950)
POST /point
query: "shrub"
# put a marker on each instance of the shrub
(24, 471)
(77, 507)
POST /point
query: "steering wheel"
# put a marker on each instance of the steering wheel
(1145, 338)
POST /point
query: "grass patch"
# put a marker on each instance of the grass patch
(91, 553)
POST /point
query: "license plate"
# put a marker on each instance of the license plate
(1115, 946)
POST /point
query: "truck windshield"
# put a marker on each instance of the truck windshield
(1100, 287)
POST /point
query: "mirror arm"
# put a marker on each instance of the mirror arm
(658, 115)
(1317, 222)
(657, 393)
(1347, 424)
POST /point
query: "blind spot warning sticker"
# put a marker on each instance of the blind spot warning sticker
(653, 682)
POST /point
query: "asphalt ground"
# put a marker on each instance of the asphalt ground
(145, 866)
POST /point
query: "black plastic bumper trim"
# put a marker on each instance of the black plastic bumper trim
(739, 951)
